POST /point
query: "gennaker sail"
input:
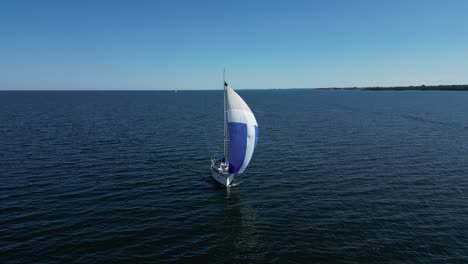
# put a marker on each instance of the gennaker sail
(242, 129)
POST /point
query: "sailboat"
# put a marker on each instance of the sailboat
(240, 138)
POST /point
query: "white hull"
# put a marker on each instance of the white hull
(224, 179)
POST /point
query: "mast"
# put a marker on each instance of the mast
(224, 114)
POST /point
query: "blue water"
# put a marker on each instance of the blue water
(338, 177)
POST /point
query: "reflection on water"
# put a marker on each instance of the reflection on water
(241, 225)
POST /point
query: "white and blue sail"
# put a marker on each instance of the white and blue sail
(240, 138)
(243, 131)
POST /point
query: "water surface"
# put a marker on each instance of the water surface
(343, 176)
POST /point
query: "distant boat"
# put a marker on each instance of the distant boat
(241, 128)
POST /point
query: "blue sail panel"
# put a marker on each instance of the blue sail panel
(238, 145)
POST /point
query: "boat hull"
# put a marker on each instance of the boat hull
(224, 179)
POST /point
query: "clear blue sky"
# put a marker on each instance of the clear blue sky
(263, 44)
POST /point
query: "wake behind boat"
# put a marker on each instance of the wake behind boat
(241, 127)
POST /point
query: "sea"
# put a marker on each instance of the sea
(337, 177)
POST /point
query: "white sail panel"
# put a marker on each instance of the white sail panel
(243, 132)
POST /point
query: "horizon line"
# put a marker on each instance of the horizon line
(245, 89)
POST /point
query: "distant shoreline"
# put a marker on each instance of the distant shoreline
(462, 87)
(457, 87)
